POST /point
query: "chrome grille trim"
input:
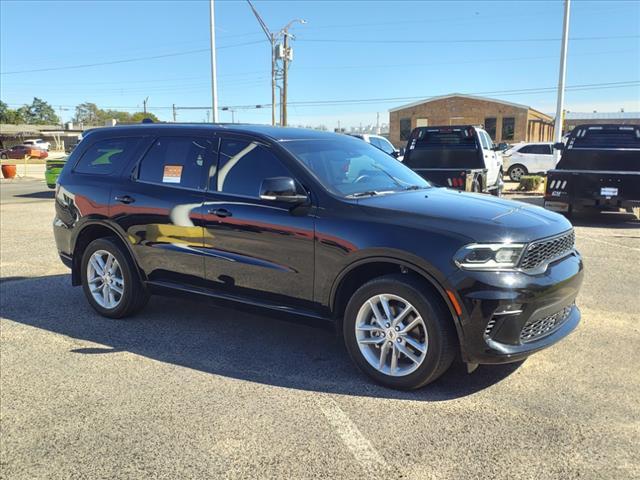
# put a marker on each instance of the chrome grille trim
(542, 252)
(534, 330)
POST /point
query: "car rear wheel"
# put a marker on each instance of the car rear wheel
(4, 156)
(110, 281)
(516, 172)
(398, 333)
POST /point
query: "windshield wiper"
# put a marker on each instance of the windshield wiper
(415, 187)
(368, 193)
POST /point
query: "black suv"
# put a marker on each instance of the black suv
(321, 225)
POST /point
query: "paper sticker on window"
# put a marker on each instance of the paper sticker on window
(172, 173)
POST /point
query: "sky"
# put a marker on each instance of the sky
(360, 57)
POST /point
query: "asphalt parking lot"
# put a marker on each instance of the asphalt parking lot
(190, 389)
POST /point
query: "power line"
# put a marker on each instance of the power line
(468, 40)
(581, 87)
(128, 60)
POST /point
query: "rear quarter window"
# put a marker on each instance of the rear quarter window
(106, 157)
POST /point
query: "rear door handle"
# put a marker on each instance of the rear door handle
(126, 199)
(220, 212)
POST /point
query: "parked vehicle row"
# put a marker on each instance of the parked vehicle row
(320, 225)
(599, 169)
(19, 152)
(460, 157)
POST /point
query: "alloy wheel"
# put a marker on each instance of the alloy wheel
(516, 173)
(391, 335)
(105, 279)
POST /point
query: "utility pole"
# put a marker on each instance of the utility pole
(285, 77)
(561, 79)
(214, 85)
(286, 55)
(175, 114)
(377, 123)
(144, 103)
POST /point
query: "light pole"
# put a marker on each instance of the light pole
(214, 86)
(557, 134)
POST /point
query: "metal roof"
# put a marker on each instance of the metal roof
(602, 116)
(461, 95)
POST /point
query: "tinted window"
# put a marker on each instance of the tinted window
(244, 165)
(347, 166)
(405, 128)
(463, 138)
(444, 147)
(374, 141)
(536, 149)
(614, 148)
(490, 127)
(107, 156)
(508, 128)
(486, 144)
(177, 161)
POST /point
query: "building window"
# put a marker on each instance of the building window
(490, 126)
(405, 128)
(508, 128)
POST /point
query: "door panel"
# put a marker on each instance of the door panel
(258, 248)
(159, 208)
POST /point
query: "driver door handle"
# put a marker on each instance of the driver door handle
(126, 199)
(219, 212)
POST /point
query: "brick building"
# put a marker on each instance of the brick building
(504, 121)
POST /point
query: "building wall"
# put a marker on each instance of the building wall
(462, 110)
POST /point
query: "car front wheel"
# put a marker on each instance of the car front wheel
(110, 281)
(398, 333)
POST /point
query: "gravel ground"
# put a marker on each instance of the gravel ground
(189, 389)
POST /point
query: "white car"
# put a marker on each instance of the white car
(38, 143)
(525, 158)
(382, 143)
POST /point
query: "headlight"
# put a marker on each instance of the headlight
(489, 256)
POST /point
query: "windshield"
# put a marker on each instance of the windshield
(350, 167)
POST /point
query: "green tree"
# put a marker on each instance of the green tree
(88, 113)
(137, 117)
(38, 113)
(8, 115)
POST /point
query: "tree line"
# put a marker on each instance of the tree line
(39, 112)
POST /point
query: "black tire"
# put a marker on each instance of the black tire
(4, 156)
(514, 172)
(134, 297)
(442, 340)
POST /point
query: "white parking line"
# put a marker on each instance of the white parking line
(366, 455)
(611, 244)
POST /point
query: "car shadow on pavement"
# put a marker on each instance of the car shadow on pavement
(202, 335)
(42, 194)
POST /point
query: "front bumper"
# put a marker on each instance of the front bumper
(507, 316)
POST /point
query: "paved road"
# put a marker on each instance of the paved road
(189, 389)
(24, 191)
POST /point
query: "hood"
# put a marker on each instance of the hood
(481, 218)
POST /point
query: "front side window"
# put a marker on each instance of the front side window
(244, 165)
(346, 166)
(405, 128)
(385, 146)
(177, 161)
(106, 157)
(508, 128)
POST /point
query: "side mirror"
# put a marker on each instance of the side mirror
(558, 146)
(395, 153)
(281, 189)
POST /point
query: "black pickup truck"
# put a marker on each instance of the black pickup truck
(462, 157)
(599, 168)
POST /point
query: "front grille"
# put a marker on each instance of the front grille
(544, 251)
(533, 330)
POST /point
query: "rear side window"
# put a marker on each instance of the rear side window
(446, 138)
(244, 165)
(600, 137)
(536, 149)
(177, 161)
(106, 157)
